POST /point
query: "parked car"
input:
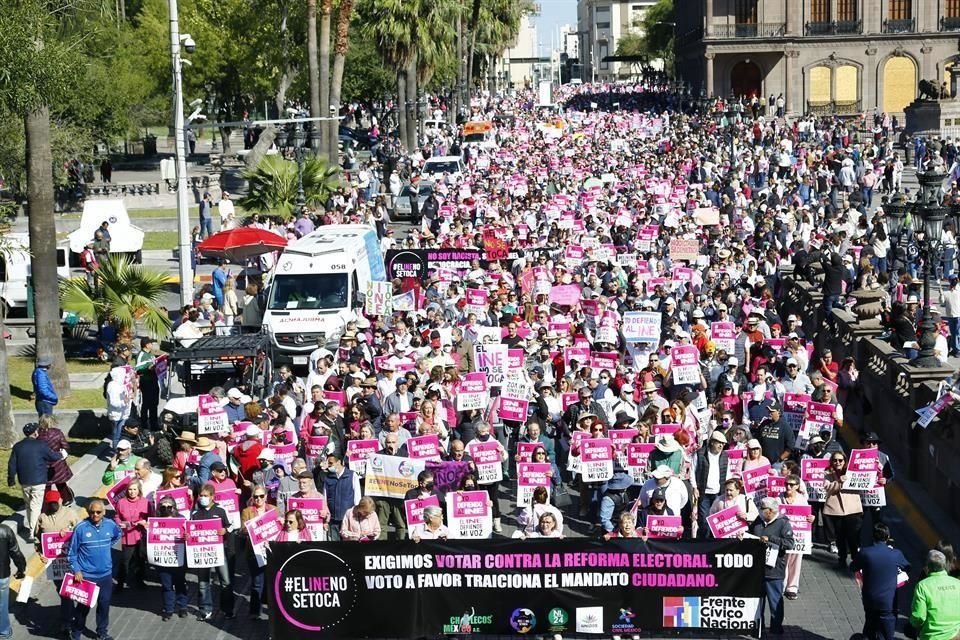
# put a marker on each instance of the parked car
(436, 168)
(401, 208)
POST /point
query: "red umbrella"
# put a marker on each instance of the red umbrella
(241, 243)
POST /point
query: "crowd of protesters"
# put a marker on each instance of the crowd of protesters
(631, 204)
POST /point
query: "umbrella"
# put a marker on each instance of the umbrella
(239, 244)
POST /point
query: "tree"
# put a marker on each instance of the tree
(658, 31)
(340, 46)
(125, 294)
(315, 111)
(272, 185)
(39, 66)
(326, 17)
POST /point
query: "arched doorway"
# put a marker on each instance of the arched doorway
(899, 83)
(746, 79)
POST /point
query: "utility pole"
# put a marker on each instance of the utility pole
(183, 209)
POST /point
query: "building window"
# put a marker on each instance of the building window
(899, 10)
(819, 11)
(951, 9)
(746, 12)
(847, 10)
(603, 52)
(603, 25)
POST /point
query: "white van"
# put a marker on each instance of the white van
(319, 285)
(435, 168)
(124, 237)
(15, 268)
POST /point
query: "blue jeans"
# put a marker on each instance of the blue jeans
(44, 408)
(954, 325)
(206, 227)
(103, 609)
(6, 631)
(115, 436)
(949, 258)
(257, 595)
(774, 597)
(703, 510)
(174, 584)
(206, 593)
(608, 506)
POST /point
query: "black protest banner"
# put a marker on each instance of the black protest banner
(406, 590)
(418, 263)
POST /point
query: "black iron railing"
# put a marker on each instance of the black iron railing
(834, 28)
(834, 108)
(747, 30)
(900, 26)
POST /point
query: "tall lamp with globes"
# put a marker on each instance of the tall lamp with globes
(927, 219)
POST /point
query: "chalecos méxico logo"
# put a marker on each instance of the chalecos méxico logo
(310, 600)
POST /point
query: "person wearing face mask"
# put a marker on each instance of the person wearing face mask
(625, 404)
(207, 509)
(710, 470)
(173, 580)
(341, 488)
(57, 519)
(492, 489)
(426, 487)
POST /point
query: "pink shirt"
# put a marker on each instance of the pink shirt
(128, 512)
(354, 528)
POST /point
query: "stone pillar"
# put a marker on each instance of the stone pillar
(793, 83)
(707, 28)
(869, 81)
(709, 57)
(928, 70)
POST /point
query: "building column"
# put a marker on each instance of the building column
(709, 56)
(793, 84)
(708, 20)
(868, 96)
(794, 11)
(929, 69)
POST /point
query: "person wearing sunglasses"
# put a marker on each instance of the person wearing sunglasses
(90, 558)
(257, 507)
(173, 580)
(843, 511)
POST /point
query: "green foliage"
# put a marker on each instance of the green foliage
(631, 43)
(658, 29)
(126, 293)
(365, 77)
(272, 185)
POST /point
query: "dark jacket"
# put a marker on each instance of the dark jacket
(29, 460)
(879, 563)
(215, 512)
(779, 536)
(702, 468)
(43, 387)
(339, 493)
(10, 550)
(775, 438)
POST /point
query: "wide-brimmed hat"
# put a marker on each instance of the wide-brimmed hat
(871, 437)
(204, 444)
(649, 386)
(187, 436)
(663, 471)
(369, 382)
(666, 443)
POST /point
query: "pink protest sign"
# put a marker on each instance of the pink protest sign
(340, 397)
(487, 458)
(316, 445)
(685, 364)
(531, 475)
(795, 410)
(621, 438)
(414, 508)
(799, 517)
(315, 514)
(726, 523)
(513, 409)
(180, 495)
(579, 354)
(204, 544)
(819, 417)
(813, 472)
(166, 539)
(359, 451)
(596, 459)
(568, 399)
(664, 526)
(565, 294)
(724, 335)
(211, 416)
(776, 486)
(472, 393)
(638, 458)
(425, 447)
(525, 450)
(476, 301)
(469, 514)
(117, 491)
(862, 470)
(84, 593)
(735, 458)
(261, 530)
(284, 454)
(515, 358)
(53, 545)
(228, 500)
(660, 429)
(602, 362)
(755, 481)
(574, 254)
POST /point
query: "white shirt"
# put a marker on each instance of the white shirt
(713, 473)
(227, 214)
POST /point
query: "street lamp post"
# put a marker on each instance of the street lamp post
(895, 213)
(184, 244)
(928, 218)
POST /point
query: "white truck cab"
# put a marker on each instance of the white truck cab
(124, 237)
(319, 285)
(15, 269)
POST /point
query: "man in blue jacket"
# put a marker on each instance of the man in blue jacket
(338, 487)
(880, 564)
(45, 396)
(29, 460)
(89, 557)
(776, 533)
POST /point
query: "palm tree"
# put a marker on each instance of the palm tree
(326, 10)
(391, 26)
(125, 294)
(272, 186)
(315, 110)
(340, 45)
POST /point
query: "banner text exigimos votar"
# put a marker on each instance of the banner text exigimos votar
(515, 587)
